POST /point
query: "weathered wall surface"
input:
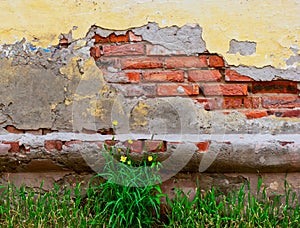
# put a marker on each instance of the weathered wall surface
(220, 93)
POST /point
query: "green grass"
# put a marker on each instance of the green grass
(236, 209)
(112, 205)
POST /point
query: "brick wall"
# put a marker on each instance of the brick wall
(138, 68)
(143, 71)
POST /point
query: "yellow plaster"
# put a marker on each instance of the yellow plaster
(273, 24)
(53, 106)
(68, 102)
(139, 113)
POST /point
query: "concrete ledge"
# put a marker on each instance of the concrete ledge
(187, 153)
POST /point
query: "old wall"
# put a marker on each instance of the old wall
(216, 82)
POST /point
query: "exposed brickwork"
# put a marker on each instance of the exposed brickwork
(204, 75)
(186, 62)
(142, 63)
(281, 102)
(155, 71)
(124, 50)
(177, 89)
(95, 52)
(14, 146)
(225, 90)
(134, 38)
(12, 129)
(134, 146)
(216, 61)
(53, 145)
(70, 143)
(202, 146)
(233, 76)
(255, 114)
(274, 87)
(162, 76)
(155, 146)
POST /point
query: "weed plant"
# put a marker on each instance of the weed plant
(132, 190)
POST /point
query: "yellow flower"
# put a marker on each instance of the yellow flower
(119, 149)
(123, 158)
(150, 158)
(115, 122)
(130, 141)
(129, 162)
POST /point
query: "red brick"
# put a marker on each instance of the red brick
(137, 90)
(155, 146)
(88, 131)
(225, 90)
(159, 50)
(100, 39)
(285, 113)
(232, 103)
(53, 145)
(12, 129)
(186, 62)
(142, 63)
(233, 76)
(14, 146)
(118, 38)
(251, 102)
(275, 87)
(135, 146)
(72, 142)
(177, 89)
(133, 77)
(122, 77)
(204, 75)
(216, 61)
(109, 62)
(284, 143)
(281, 102)
(134, 38)
(162, 76)
(111, 142)
(63, 41)
(228, 103)
(202, 146)
(95, 52)
(125, 49)
(210, 103)
(46, 131)
(255, 114)
(34, 132)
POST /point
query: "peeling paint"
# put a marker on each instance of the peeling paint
(272, 28)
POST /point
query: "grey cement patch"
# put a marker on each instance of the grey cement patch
(226, 153)
(243, 47)
(187, 38)
(293, 59)
(269, 73)
(38, 140)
